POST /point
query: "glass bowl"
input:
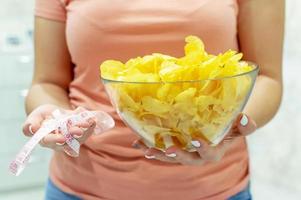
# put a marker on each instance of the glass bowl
(164, 114)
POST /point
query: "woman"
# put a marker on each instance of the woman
(73, 37)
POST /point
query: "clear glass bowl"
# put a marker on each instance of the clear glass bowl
(174, 113)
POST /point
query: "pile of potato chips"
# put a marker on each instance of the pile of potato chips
(171, 101)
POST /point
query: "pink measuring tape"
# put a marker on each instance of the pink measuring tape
(60, 121)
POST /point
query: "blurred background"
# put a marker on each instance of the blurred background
(275, 149)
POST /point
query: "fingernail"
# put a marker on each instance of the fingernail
(196, 143)
(77, 136)
(84, 129)
(136, 145)
(149, 156)
(30, 129)
(60, 144)
(172, 155)
(244, 120)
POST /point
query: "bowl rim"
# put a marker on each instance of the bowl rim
(254, 70)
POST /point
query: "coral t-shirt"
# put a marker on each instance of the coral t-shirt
(108, 167)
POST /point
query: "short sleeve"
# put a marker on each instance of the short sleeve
(51, 9)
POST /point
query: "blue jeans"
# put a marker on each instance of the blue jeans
(245, 194)
(54, 193)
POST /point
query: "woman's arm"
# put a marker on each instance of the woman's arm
(53, 69)
(260, 31)
(49, 89)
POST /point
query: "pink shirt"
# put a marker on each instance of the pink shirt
(108, 167)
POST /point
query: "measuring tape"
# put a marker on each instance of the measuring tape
(61, 122)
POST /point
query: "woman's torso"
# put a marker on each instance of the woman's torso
(108, 167)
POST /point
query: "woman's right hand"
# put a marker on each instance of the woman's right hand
(56, 140)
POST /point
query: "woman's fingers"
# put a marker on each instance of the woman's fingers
(246, 125)
(69, 151)
(56, 140)
(76, 132)
(32, 124)
(171, 155)
(203, 149)
(243, 126)
(184, 157)
(83, 130)
(210, 153)
(153, 153)
(53, 141)
(36, 117)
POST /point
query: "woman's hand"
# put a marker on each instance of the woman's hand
(243, 126)
(56, 140)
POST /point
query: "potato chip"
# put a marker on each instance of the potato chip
(154, 106)
(186, 95)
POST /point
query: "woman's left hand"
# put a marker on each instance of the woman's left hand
(243, 126)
